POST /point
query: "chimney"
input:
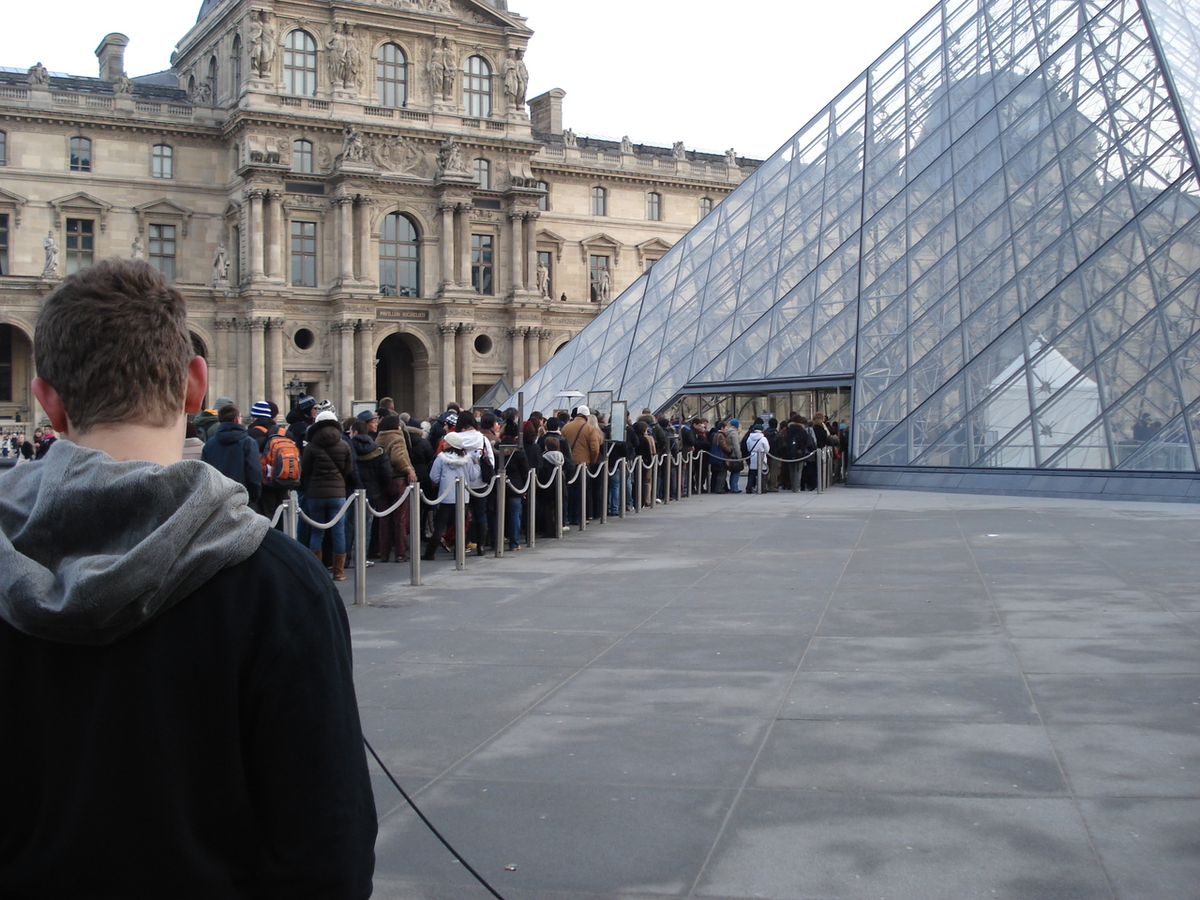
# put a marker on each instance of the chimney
(111, 54)
(545, 111)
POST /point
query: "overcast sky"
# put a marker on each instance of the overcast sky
(711, 74)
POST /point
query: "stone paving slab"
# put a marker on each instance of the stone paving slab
(857, 694)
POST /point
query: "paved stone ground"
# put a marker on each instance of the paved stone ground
(859, 694)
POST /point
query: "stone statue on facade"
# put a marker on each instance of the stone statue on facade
(353, 149)
(38, 76)
(123, 86)
(569, 139)
(516, 77)
(396, 153)
(543, 281)
(603, 286)
(450, 161)
(343, 58)
(262, 43)
(731, 158)
(441, 70)
(220, 271)
(136, 250)
(626, 146)
(50, 245)
(678, 151)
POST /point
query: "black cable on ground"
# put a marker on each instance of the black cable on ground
(430, 825)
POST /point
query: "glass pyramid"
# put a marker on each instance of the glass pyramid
(993, 234)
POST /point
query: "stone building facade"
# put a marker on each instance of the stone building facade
(357, 199)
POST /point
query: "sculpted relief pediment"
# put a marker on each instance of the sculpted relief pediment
(465, 10)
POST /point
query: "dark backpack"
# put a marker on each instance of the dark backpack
(281, 461)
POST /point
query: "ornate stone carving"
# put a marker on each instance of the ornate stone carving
(123, 87)
(731, 158)
(678, 151)
(543, 281)
(50, 245)
(626, 146)
(442, 70)
(262, 43)
(220, 266)
(345, 62)
(569, 139)
(516, 78)
(136, 250)
(38, 76)
(353, 149)
(396, 153)
(450, 161)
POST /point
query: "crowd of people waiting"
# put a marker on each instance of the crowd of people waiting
(326, 459)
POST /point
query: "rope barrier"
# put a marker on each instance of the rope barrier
(325, 526)
(279, 511)
(395, 506)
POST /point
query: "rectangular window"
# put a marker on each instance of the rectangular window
(162, 161)
(3, 149)
(4, 245)
(6, 394)
(304, 254)
(162, 249)
(482, 251)
(81, 154)
(546, 271)
(81, 246)
(601, 281)
(235, 254)
(705, 206)
(654, 206)
(302, 156)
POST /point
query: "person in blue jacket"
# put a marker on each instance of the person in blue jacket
(234, 453)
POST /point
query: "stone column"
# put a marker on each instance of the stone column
(254, 232)
(255, 330)
(516, 257)
(447, 331)
(517, 336)
(272, 232)
(364, 380)
(363, 272)
(446, 248)
(345, 214)
(466, 354)
(344, 335)
(531, 219)
(544, 335)
(217, 377)
(532, 357)
(463, 215)
(274, 387)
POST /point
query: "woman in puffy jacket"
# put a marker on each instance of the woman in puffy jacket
(452, 465)
(393, 528)
(325, 468)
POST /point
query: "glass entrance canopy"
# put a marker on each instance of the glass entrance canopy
(993, 234)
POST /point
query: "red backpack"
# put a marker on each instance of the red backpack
(281, 461)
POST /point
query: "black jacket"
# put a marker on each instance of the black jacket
(234, 453)
(213, 752)
(374, 470)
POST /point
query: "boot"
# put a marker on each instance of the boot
(339, 567)
(430, 550)
(320, 555)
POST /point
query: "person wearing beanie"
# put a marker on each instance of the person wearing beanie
(453, 468)
(262, 422)
(327, 468)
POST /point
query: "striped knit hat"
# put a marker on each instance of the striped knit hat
(260, 410)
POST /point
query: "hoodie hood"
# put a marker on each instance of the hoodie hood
(66, 575)
(554, 457)
(230, 432)
(453, 459)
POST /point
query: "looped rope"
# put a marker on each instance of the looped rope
(549, 484)
(279, 510)
(523, 488)
(324, 526)
(408, 489)
(485, 490)
(576, 476)
(441, 498)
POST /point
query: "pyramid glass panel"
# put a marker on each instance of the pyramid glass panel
(992, 235)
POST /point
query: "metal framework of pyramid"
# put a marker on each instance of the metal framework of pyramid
(993, 234)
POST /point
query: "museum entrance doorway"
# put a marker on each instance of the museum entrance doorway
(395, 372)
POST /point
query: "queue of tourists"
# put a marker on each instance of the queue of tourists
(325, 459)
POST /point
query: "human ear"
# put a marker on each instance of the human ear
(197, 384)
(51, 404)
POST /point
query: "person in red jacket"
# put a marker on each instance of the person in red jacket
(177, 709)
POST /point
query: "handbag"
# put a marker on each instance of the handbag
(735, 465)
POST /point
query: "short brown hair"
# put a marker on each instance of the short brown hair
(228, 413)
(112, 340)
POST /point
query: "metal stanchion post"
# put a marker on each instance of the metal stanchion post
(679, 476)
(604, 479)
(414, 532)
(654, 480)
(501, 497)
(291, 518)
(460, 523)
(583, 495)
(558, 500)
(362, 536)
(820, 461)
(531, 511)
(688, 474)
(623, 488)
(638, 487)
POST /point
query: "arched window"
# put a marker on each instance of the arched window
(162, 161)
(399, 257)
(544, 200)
(599, 201)
(81, 154)
(654, 206)
(212, 79)
(235, 59)
(302, 157)
(483, 174)
(477, 88)
(705, 206)
(391, 76)
(300, 64)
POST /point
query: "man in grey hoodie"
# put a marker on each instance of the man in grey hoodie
(177, 711)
